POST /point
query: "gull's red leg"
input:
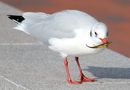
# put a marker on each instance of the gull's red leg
(68, 74)
(83, 77)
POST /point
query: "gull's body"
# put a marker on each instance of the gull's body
(68, 32)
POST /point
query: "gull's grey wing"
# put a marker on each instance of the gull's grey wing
(49, 26)
(58, 25)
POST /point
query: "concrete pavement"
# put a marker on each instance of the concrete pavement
(26, 64)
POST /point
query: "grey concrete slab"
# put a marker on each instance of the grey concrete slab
(27, 65)
(37, 68)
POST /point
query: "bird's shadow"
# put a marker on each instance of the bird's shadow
(109, 72)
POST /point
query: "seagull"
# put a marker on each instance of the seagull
(69, 32)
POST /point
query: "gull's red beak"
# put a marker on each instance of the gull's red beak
(104, 40)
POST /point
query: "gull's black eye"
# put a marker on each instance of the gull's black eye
(96, 34)
(107, 34)
(91, 33)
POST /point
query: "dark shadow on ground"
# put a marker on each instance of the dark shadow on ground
(109, 72)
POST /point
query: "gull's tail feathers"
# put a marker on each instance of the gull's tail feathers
(16, 18)
(27, 20)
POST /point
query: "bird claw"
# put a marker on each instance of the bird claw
(74, 82)
(83, 79)
(86, 79)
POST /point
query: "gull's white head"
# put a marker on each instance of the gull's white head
(99, 32)
(98, 35)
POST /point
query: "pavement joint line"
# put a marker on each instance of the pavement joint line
(17, 85)
(114, 82)
(2, 44)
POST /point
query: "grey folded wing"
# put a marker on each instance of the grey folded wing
(45, 26)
